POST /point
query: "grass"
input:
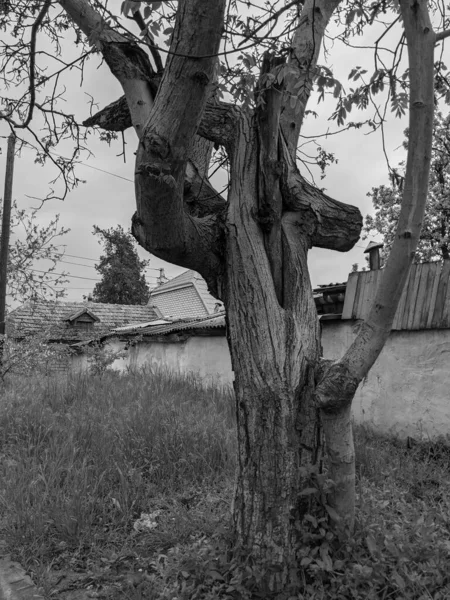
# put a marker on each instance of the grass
(121, 485)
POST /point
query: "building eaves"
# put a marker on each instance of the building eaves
(213, 322)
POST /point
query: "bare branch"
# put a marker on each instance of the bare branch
(441, 35)
(306, 45)
(153, 49)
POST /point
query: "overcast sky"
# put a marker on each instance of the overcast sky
(107, 197)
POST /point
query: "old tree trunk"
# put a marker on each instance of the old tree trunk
(292, 411)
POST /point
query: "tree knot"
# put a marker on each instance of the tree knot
(336, 388)
(265, 216)
(201, 78)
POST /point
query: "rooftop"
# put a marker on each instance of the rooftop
(185, 296)
(74, 321)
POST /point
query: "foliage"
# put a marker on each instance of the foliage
(32, 355)
(435, 235)
(30, 244)
(85, 463)
(100, 358)
(123, 273)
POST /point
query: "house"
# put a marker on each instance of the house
(194, 345)
(184, 297)
(69, 323)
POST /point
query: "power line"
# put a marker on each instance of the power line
(97, 169)
(64, 275)
(67, 262)
(82, 257)
(80, 162)
(96, 260)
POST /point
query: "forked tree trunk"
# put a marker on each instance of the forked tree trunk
(274, 353)
(255, 258)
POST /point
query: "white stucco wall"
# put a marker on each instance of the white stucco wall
(207, 356)
(407, 391)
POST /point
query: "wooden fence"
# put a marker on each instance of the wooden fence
(425, 302)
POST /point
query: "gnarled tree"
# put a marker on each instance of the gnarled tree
(292, 408)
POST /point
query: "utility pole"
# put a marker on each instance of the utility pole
(6, 226)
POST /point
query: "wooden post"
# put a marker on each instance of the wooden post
(4, 242)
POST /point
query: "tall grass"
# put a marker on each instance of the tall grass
(82, 457)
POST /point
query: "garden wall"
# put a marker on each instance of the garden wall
(407, 391)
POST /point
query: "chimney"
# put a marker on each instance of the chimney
(162, 277)
(373, 250)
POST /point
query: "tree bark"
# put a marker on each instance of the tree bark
(274, 351)
(306, 45)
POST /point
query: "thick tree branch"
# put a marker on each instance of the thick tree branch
(375, 330)
(168, 137)
(270, 197)
(218, 122)
(327, 223)
(306, 46)
(153, 49)
(173, 196)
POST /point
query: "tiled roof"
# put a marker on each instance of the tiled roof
(184, 296)
(40, 316)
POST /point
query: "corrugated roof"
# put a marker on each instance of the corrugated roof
(35, 317)
(210, 322)
(184, 296)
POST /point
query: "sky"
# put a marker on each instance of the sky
(106, 199)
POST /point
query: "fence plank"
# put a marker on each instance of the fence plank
(441, 295)
(445, 318)
(413, 296)
(374, 283)
(366, 295)
(398, 319)
(423, 295)
(410, 300)
(359, 289)
(433, 283)
(350, 293)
